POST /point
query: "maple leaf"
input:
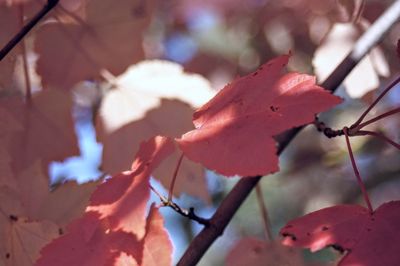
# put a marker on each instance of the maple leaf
(234, 130)
(41, 129)
(256, 252)
(30, 214)
(24, 239)
(66, 202)
(113, 199)
(8, 27)
(22, 235)
(157, 248)
(126, 139)
(115, 223)
(139, 109)
(368, 239)
(109, 38)
(336, 45)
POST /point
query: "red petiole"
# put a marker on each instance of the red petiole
(356, 172)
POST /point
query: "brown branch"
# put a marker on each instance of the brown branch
(242, 189)
(27, 28)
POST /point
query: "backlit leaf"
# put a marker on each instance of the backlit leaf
(234, 131)
(368, 239)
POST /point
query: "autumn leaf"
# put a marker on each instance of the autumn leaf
(110, 38)
(148, 95)
(125, 141)
(115, 223)
(66, 202)
(368, 239)
(234, 131)
(157, 248)
(88, 242)
(113, 199)
(256, 252)
(22, 235)
(42, 129)
(24, 239)
(8, 27)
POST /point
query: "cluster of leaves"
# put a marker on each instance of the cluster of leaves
(110, 223)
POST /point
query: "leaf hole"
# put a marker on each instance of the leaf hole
(274, 108)
(8, 255)
(13, 218)
(293, 237)
(338, 248)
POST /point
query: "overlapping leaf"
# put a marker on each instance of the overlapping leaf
(8, 27)
(234, 131)
(110, 38)
(149, 95)
(368, 239)
(31, 215)
(256, 252)
(114, 229)
(41, 129)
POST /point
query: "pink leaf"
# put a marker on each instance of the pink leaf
(122, 199)
(113, 230)
(368, 239)
(234, 131)
(256, 252)
(157, 245)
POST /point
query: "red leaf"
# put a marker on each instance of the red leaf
(256, 252)
(368, 239)
(122, 199)
(157, 246)
(89, 46)
(234, 130)
(113, 230)
(88, 242)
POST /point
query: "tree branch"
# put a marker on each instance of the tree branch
(24, 30)
(242, 189)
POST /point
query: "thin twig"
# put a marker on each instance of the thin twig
(24, 30)
(364, 114)
(172, 185)
(356, 172)
(264, 213)
(184, 212)
(231, 203)
(378, 135)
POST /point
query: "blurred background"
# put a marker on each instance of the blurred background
(221, 40)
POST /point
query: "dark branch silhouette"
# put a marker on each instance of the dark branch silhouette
(27, 28)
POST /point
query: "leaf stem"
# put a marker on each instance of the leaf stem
(264, 213)
(378, 135)
(28, 27)
(391, 85)
(372, 120)
(356, 172)
(172, 185)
